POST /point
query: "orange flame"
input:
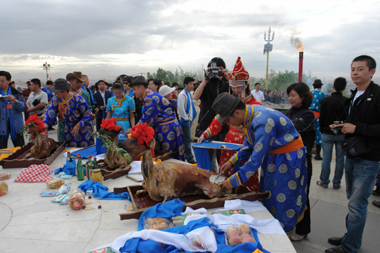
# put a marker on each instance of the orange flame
(300, 49)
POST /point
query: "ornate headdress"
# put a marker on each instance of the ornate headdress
(239, 74)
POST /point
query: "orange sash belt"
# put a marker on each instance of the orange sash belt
(290, 147)
(316, 114)
(167, 121)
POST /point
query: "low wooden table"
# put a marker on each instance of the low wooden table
(140, 204)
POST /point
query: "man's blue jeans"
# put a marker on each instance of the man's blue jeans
(360, 181)
(186, 127)
(328, 142)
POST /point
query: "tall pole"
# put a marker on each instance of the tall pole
(266, 77)
(46, 67)
(267, 48)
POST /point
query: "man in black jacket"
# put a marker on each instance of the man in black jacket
(332, 110)
(363, 155)
(101, 97)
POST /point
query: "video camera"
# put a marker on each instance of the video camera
(215, 73)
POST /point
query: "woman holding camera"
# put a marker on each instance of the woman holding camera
(300, 99)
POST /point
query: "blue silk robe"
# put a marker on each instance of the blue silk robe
(283, 175)
(160, 114)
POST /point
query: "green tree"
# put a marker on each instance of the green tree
(281, 80)
(168, 76)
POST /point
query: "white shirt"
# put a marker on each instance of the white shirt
(103, 96)
(259, 95)
(182, 105)
(42, 96)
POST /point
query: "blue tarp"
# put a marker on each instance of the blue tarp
(101, 192)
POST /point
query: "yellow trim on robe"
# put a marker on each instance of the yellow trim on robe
(145, 93)
(119, 102)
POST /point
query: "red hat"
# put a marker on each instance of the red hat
(239, 74)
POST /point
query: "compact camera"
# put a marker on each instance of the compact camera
(3, 97)
(337, 130)
(215, 73)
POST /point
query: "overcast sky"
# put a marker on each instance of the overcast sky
(106, 38)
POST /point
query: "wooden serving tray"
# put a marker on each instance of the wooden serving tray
(115, 173)
(16, 160)
(108, 173)
(140, 204)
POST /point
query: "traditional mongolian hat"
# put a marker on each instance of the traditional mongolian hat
(76, 75)
(239, 74)
(225, 104)
(138, 80)
(60, 85)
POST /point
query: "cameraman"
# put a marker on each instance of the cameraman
(207, 91)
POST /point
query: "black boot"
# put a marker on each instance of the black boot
(318, 153)
(376, 192)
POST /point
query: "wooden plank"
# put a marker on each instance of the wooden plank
(140, 204)
(16, 160)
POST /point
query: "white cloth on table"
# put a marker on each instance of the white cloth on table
(247, 206)
(180, 241)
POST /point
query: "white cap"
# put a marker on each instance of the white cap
(165, 90)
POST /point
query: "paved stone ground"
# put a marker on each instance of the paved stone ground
(328, 213)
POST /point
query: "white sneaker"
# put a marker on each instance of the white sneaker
(296, 237)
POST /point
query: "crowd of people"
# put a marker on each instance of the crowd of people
(279, 143)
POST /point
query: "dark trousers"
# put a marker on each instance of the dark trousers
(303, 227)
(98, 123)
(18, 142)
(219, 137)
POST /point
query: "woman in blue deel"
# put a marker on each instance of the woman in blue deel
(121, 107)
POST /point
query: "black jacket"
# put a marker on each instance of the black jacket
(207, 114)
(365, 114)
(332, 109)
(303, 121)
(99, 101)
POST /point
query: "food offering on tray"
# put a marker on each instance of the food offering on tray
(157, 223)
(179, 220)
(168, 180)
(241, 234)
(230, 212)
(115, 157)
(55, 183)
(76, 199)
(3, 188)
(42, 147)
(4, 175)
